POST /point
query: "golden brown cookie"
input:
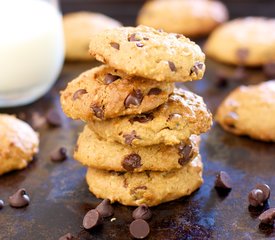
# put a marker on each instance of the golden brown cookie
(18, 143)
(175, 121)
(149, 53)
(95, 152)
(104, 92)
(250, 111)
(78, 30)
(151, 188)
(190, 18)
(244, 41)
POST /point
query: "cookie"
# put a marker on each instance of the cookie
(95, 152)
(190, 18)
(104, 92)
(250, 110)
(182, 115)
(151, 188)
(149, 53)
(18, 143)
(244, 41)
(78, 30)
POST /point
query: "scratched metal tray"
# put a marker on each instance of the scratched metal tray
(60, 196)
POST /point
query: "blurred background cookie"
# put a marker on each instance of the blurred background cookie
(19, 143)
(190, 18)
(245, 41)
(78, 30)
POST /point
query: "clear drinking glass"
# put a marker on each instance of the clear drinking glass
(31, 49)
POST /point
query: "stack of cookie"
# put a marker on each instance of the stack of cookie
(141, 141)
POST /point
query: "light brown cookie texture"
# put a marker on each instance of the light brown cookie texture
(175, 121)
(151, 188)
(18, 143)
(98, 153)
(104, 92)
(79, 27)
(149, 53)
(244, 41)
(190, 18)
(250, 110)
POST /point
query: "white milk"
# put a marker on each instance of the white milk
(31, 50)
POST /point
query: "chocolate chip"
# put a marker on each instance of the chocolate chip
(269, 69)
(172, 66)
(109, 78)
(139, 229)
(142, 118)
(139, 44)
(179, 35)
(195, 69)
(79, 93)
(1, 204)
(134, 98)
(67, 236)
(268, 217)
(132, 38)
(130, 137)
(115, 45)
(221, 81)
(146, 38)
(59, 155)
(98, 111)
(223, 181)
(105, 208)
(242, 54)
(91, 219)
(142, 212)
(265, 189)
(19, 199)
(186, 152)
(259, 195)
(160, 30)
(38, 121)
(231, 119)
(54, 118)
(131, 162)
(174, 115)
(154, 91)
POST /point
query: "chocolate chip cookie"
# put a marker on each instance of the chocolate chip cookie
(175, 121)
(149, 53)
(95, 152)
(18, 143)
(250, 110)
(104, 92)
(151, 188)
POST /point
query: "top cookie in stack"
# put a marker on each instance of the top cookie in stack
(138, 125)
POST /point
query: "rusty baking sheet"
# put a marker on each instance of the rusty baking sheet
(60, 196)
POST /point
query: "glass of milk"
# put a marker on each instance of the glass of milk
(31, 49)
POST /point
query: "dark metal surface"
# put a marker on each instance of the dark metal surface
(60, 196)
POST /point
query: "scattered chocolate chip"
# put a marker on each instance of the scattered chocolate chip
(259, 195)
(109, 78)
(132, 38)
(131, 162)
(115, 45)
(79, 93)
(195, 69)
(67, 236)
(269, 69)
(242, 54)
(130, 137)
(223, 181)
(222, 80)
(142, 118)
(268, 217)
(59, 155)
(139, 229)
(172, 66)
(105, 208)
(54, 118)
(91, 219)
(154, 91)
(19, 199)
(142, 212)
(186, 152)
(37, 121)
(98, 111)
(134, 98)
(265, 189)
(1, 204)
(146, 38)
(139, 44)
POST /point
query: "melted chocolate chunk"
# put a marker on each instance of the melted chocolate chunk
(115, 45)
(105, 208)
(195, 69)
(174, 116)
(186, 152)
(172, 66)
(79, 93)
(139, 229)
(91, 219)
(130, 137)
(146, 38)
(134, 98)
(59, 155)
(109, 78)
(133, 38)
(142, 118)
(131, 162)
(98, 111)
(154, 91)
(223, 181)
(19, 199)
(142, 212)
